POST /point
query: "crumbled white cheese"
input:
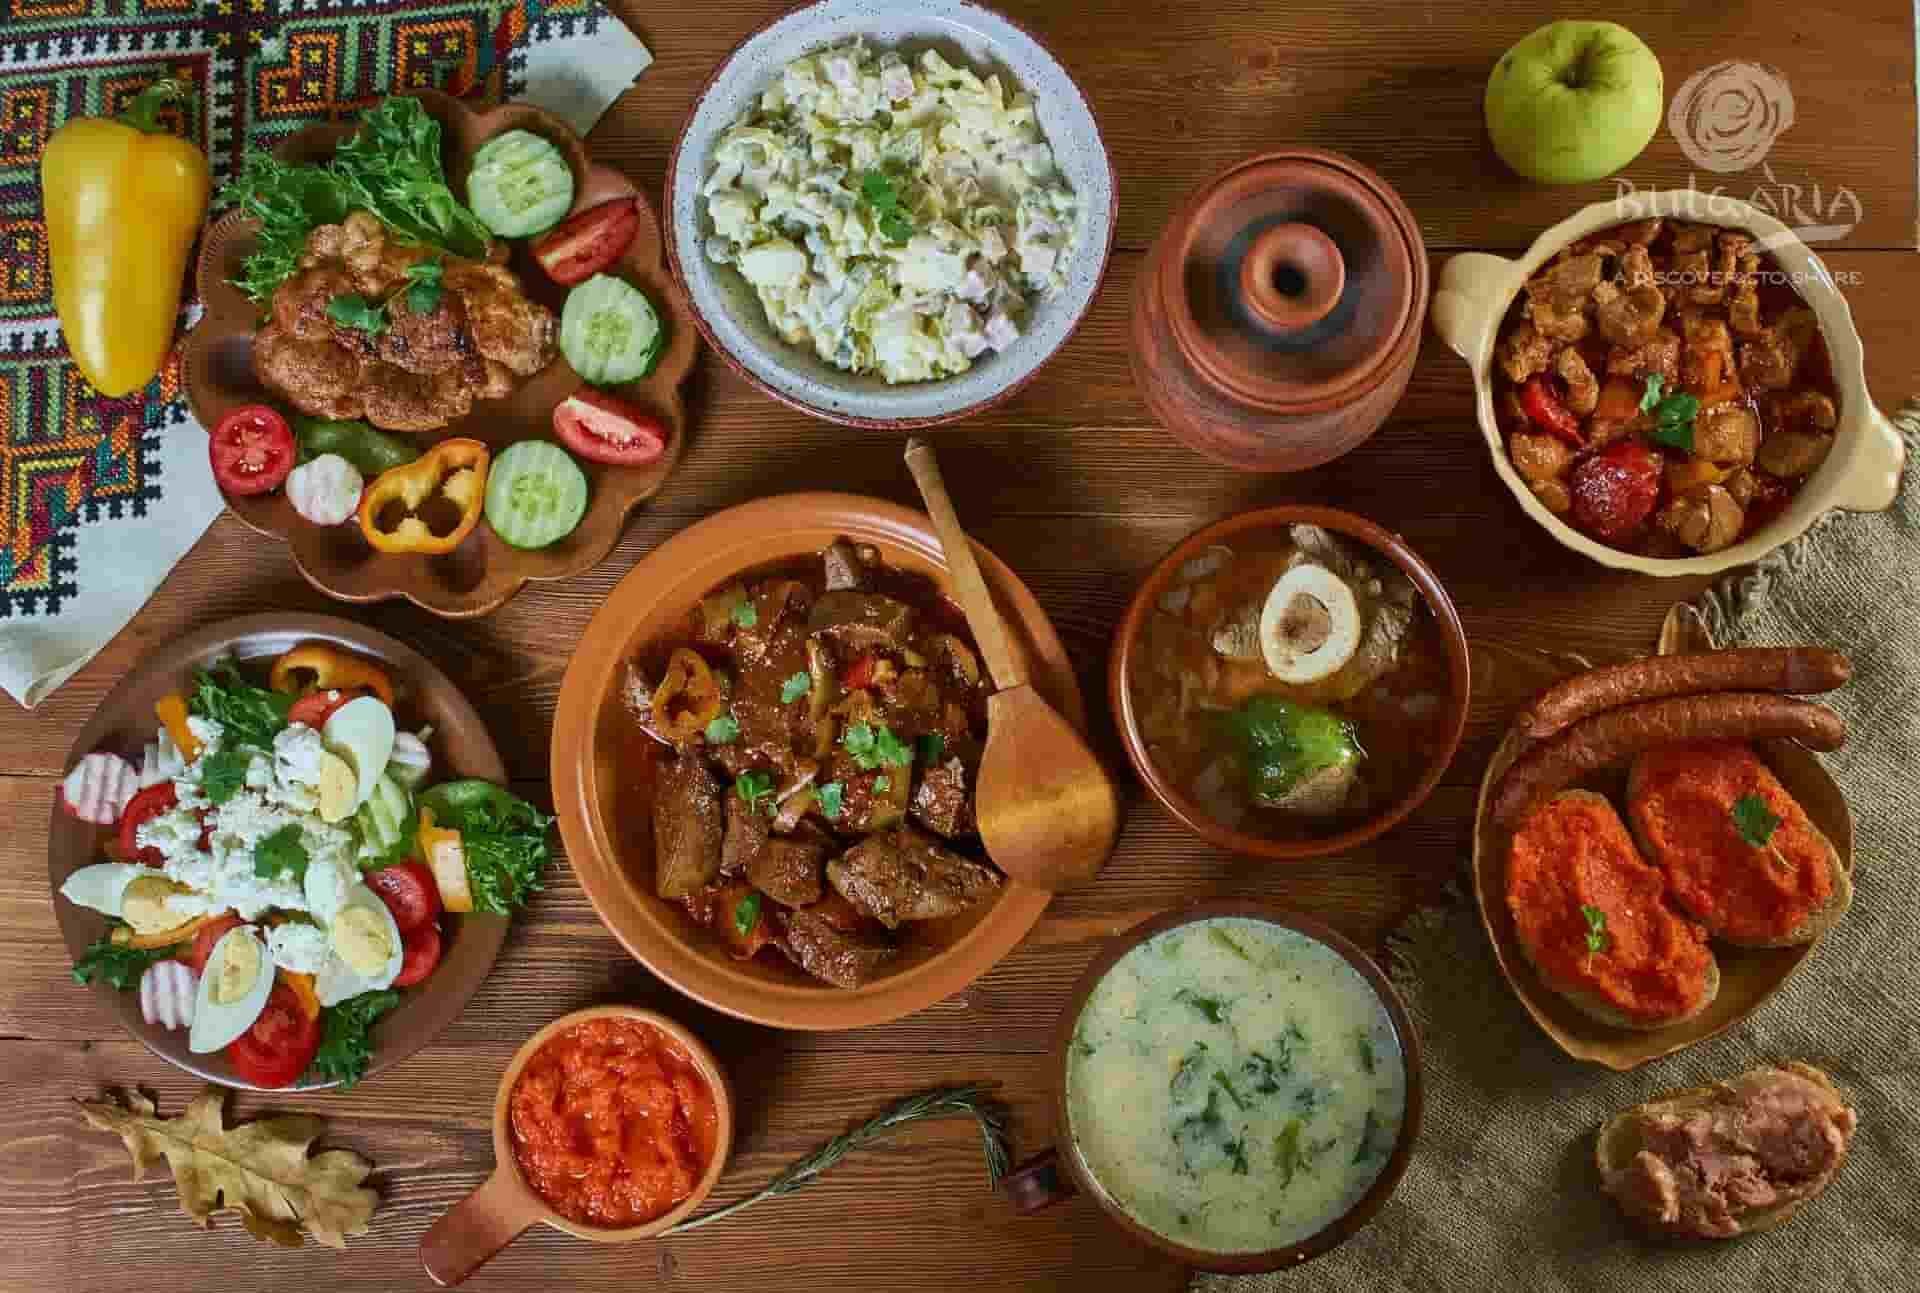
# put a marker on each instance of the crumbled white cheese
(298, 946)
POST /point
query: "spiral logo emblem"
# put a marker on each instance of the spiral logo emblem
(1727, 116)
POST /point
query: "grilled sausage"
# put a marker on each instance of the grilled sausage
(1795, 670)
(1619, 734)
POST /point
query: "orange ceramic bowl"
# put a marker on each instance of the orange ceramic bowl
(602, 768)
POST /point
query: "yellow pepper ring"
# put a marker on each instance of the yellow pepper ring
(331, 669)
(456, 469)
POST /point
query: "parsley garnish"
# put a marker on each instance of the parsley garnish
(1367, 1130)
(1225, 1083)
(1367, 1060)
(1756, 824)
(116, 964)
(351, 310)
(423, 294)
(882, 784)
(247, 715)
(723, 729)
(743, 614)
(796, 686)
(1650, 397)
(1211, 1007)
(752, 787)
(1673, 414)
(1287, 1158)
(345, 1049)
(832, 798)
(281, 853)
(872, 744)
(1261, 1070)
(224, 773)
(880, 193)
(1598, 940)
(1237, 1151)
(930, 747)
(746, 914)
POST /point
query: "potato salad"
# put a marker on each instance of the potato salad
(899, 217)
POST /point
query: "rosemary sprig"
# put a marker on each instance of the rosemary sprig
(941, 1102)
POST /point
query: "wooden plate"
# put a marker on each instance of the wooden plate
(1748, 976)
(483, 572)
(603, 769)
(124, 723)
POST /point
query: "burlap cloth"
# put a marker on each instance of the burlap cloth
(1502, 1194)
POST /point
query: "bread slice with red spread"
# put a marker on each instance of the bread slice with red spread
(1592, 917)
(1739, 852)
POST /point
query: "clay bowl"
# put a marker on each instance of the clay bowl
(482, 573)
(1749, 977)
(603, 768)
(726, 306)
(1039, 1183)
(468, 1234)
(1146, 599)
(124, 723)
(1861, 474)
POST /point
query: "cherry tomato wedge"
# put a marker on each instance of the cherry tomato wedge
(142, 808)
(587, 243)
(409, 892)
(316, 707)
(206, 936)
(420, 952)
(601, 428)
(279, 1046)
(252, 450)
(1543, 405)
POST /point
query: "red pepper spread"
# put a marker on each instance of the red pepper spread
(612, 1123)
(1683, 807)
(1573, 854)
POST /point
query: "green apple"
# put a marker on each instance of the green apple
(1574, 101)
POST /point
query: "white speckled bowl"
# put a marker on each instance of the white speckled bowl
(726, 308)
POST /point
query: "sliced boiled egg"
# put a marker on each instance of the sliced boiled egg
(365, 949)
(102, 887)
(361, 732)
(338, 786)
(233, 990)
(151, 903)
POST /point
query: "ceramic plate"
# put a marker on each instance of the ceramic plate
(124, 723)
(603, 769)
(726, 307)
(483, 572)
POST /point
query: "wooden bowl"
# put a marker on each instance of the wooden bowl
(480, 575)
(1147, 599)
(603, 769)
(468, 1234)
(124, 723)
(1748, 976)
(1037, 1182)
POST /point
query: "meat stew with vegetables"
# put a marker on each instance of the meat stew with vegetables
(1663, 388)
(815, 729)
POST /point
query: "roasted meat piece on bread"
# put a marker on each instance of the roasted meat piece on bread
(1592, 918)
(1727, 1159)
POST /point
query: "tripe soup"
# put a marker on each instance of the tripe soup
(1234, 1085)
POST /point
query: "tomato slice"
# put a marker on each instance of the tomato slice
(409, 892)
(420, 952)
(252, 450)
(316, 707)
(601, 428)
(860, 673)
(206, 936)
(143, 808)
(279, 1046)
(587, 243)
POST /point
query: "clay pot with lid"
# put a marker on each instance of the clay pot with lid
(1277, 319)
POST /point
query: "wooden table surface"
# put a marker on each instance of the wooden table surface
(1073, 484)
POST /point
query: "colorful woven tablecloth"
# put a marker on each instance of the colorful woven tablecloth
(100, 497)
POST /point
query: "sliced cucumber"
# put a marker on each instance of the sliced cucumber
(520, 184)
(536, 494)
(609, 331)
(384, 823)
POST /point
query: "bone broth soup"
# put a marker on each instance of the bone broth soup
(1234, 1085)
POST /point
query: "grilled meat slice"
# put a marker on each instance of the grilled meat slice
(317, 377)
(429, 342)
(901, 874)
(404, 401)
(686, 827)
(507, 327)
(861, 621)
(844, 571)
(940, 801)
(842, 958)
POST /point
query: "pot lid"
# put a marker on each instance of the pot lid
(1293, 280)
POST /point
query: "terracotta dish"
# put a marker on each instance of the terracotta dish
(1446, 725)
(1039, 1182)
(1278, 316)
(461, 748)
(603, 787)
(483, 572)
(1749, 977)
(467, 1235)
(1862, 472)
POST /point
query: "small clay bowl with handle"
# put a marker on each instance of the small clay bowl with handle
(468, 1235)
(1060, 1172)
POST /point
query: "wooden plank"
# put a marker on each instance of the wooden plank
(1397, 86)
(77, 1221)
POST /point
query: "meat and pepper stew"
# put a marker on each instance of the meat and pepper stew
(818, 726)
(1663, 388)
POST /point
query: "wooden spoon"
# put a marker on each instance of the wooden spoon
(1047, 809)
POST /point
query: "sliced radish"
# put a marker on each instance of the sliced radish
(98, 788)
(167, 992)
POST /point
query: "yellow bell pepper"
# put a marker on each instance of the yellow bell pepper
(171, 710)
(301, 985)
(124, 201)
(440, 848)
(331, 669)
(453, 474)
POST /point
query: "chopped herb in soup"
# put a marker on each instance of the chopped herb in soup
(1292, 685)
(1234, 1085)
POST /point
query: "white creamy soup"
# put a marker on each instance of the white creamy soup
(1234, 1085)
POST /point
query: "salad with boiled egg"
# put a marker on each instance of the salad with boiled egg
(278, 865)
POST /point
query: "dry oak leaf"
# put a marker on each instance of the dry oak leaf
(259, 1169)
